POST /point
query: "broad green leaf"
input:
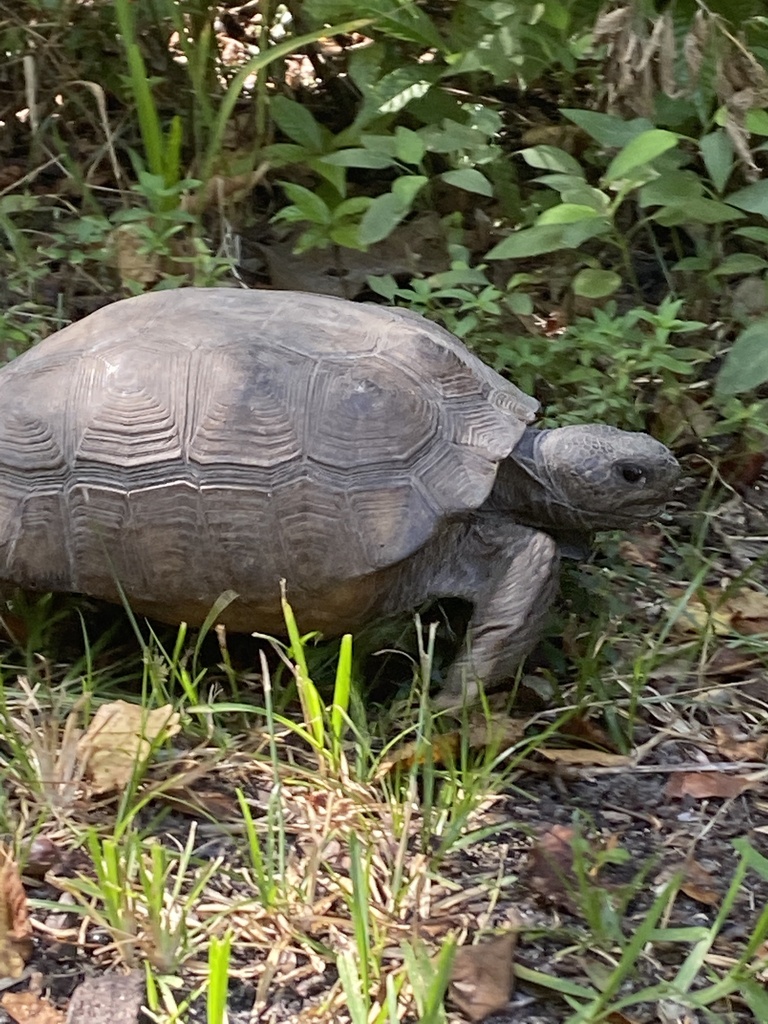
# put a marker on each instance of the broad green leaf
(548, 238)
(351, 207)
(551, 158)
(746, 365)
(470, 180)
(386, 212)
(717, 154)
(408, 186)
(607, 129)
(567, 213)
(593, 283)
(296, 122)
(311, 205)
(672, 189)
(284, 153)
(640, 151)
(346, 235)
(753, 233)
(520, 303)
(740, 263)
(756, 122)
(753, 198)
(357, 158)
(409, 145)
(697, 211)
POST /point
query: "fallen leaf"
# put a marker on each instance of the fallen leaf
(550, 864)
(744, 612)
(588, 731)
(738, 749)
(29, 1008)
(583, 756)
(482, 977)
(701, 785)
(642, 547)
(698, 884)
(119, 738)
(15, 929)
(483, 731)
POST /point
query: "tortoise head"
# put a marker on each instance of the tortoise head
(591, 477)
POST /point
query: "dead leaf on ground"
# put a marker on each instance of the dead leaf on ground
(584, 756)
(491, 731)
(701, 785)
(587, 730)
(482, 977)
(744, 612)
(550, 864)
(119, 738)
(29, 1008)
(698, 883)
(15, 929)
(642, 547)
(740, 748)
(729, 662)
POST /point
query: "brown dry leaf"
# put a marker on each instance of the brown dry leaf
(119, 737)
(744, 612)
(132, 263)
(698, 884)
(221, 189)
(550, 866)
(15, 929)
(642, 547)
(494, 730)
(701, 785)
(482, 977)
(587, 730)
(583, 756)
(728, 662)
(740, 749)
(29, 1008)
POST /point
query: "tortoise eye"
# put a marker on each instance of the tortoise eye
(632, 473)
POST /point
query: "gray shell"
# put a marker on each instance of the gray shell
(189, 442)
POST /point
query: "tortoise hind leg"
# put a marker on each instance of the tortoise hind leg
(510, 609)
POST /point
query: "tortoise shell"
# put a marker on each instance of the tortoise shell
(184, 443)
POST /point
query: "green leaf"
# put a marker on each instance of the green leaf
(408, 186)
(357, 158)
(520, 303)
(548, 238)
(697, 211)
(382, 217)
(593, 283)
(671, 189)
(756, 121)
(567, 213)
(754, 234)
(746, 365)
(551, 158)
(296, 122)
(470, 180)
(740, 263)
(311, 205)
(753, 198)
(717, 154)
(640, 151)
(280, 153)
(607, 129)
(409, 146)
(351, 207)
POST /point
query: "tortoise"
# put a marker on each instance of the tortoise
(180, 444)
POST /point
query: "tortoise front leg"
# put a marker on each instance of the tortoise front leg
(510, 612)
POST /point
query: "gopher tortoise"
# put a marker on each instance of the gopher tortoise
(180, 444)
